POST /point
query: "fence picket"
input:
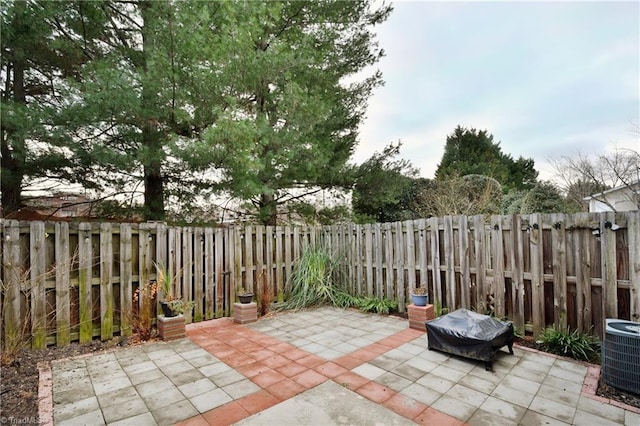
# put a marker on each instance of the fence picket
(378, 247)
(422, 253)
(449, 264)
(126, 291)
(497, 253)
(209, 274)
(465, 272)
(368, 257)
(198, 275)
(221, 301)
(481, 274)
(85, 260)
(559, 271)
(387, 235)
(517, 274)
(63, 272)
(410, 255)
(435, 261)
(400, 267)
(609, 266)
(106, 286)
(38, 279)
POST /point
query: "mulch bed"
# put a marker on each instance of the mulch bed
(19, 377)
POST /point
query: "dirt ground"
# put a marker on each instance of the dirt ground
(19, 379)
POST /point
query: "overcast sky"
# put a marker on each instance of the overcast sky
(545, 78)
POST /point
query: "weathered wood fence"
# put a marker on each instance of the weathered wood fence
(75, 281)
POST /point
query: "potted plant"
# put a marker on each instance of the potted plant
(419, 296)
(245, 296)
(171, 306)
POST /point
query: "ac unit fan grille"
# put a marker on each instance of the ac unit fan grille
(621, 361)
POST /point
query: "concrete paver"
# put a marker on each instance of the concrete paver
(320, 366)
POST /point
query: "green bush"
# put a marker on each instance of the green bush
(379, 306)
(311, 282)
(580, 346)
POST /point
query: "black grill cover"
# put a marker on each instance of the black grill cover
(469, 334)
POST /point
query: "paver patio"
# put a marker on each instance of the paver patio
(336, 366)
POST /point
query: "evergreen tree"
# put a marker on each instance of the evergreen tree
(469, 151)
(385, 187)
(292, 120)
(36, 61)
(544, 197)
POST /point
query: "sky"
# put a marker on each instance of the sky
(547, 79)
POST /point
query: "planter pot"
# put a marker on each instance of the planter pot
(419, 300)
(167, 310)
(246, 298)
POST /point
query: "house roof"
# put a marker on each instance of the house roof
(635, 186)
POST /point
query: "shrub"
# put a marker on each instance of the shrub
(144, 302)
(380, 306)
(311, 281)
(580, 346)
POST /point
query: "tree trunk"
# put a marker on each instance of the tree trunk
(153, 180)
(152, 138)
(268, 210)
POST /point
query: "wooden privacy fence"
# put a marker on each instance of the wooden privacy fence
(75, 281)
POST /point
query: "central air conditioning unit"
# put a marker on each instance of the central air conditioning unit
(621, 355)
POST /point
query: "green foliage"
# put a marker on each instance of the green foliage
(512, 201)
(379, 306)
(314, 282)
(311, 282)
(438, 309)
(545, 197)
(384, 187)
(342, 299)
(580, 346)
(171, 101)
(469, 151)
(293, 122)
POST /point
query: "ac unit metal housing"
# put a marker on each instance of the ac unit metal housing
(621, 355)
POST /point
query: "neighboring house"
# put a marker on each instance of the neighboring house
(61, 205)
(621, 199)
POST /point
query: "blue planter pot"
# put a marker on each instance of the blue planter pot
(420, 300)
